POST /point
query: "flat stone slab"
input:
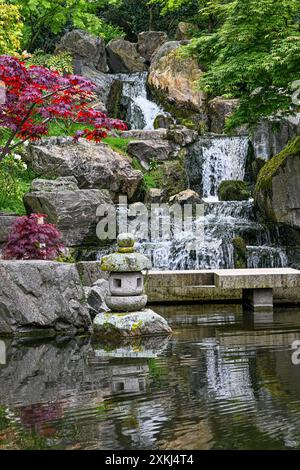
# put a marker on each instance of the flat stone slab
(257, 278)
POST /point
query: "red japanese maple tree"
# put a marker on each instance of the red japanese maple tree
(35, 96)
(32, 238)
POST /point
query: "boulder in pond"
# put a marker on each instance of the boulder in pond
(143, 323)
(41, 296)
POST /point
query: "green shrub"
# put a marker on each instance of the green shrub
(62, 62)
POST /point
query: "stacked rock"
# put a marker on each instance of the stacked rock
(126, 281)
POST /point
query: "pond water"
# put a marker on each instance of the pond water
(224, 380)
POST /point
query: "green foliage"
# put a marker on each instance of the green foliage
(10, 28)
(253, 55)
(15, 181)
(46, 20)
(62, 62)
(119, 144)
(144, 15)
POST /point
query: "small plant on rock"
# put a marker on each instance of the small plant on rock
(32, 239)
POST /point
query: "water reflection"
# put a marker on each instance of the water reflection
(224, 380)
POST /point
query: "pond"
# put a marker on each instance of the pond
(224, 380)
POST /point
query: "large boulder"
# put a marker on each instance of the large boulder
(109, 91)
(173, 80)
(149, 42)
(41, 295)
(277, 190)
(72, 210)
(95, 166)
(6, 222)
(123, 57)
(85, 49)
(220, 109)
(186, 197)
(272, 135)
(148, 151)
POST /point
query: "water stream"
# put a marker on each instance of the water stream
(140, 110)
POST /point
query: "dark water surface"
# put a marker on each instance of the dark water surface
(223, 381)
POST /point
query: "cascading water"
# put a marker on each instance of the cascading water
(218, 159)
(141, 112)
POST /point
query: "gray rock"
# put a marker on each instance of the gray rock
(95, 166)
(6, 222)
(155, 196)
(123, 57)
(163, 121)
(152, 150)
(186, 197)
(86, 50)
(277, 191)
(96, 296)
(164, 50)
(182, 136)
(149, 42)
(108, 91)
(90, 272)
(41, 295)
(60, 184)
(220, 109)
(72, 211)
(145, 134)
(271, 136)
(144, 323)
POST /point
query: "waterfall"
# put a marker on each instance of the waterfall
(212, 160)
(141, 111)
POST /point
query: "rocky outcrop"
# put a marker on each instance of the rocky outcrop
(220, 109)
(6, 222)
(155, 196)
(173, 80)
(271, 136)
(108, 91)
(95, 166)
(277, 191)
(96, 297)
(86, 50)
(43, 296)
(186, 31)
(147, 151)
(149, 42)
(73, 211)
(123, 57)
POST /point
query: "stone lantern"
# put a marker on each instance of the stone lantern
(126, 281)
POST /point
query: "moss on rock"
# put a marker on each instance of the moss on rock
(271, 168)
(233, 190)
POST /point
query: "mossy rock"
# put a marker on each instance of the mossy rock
(240, 253)
(272, 167)
(233, 190)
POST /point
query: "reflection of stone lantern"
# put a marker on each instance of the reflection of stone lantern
(126, 282)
